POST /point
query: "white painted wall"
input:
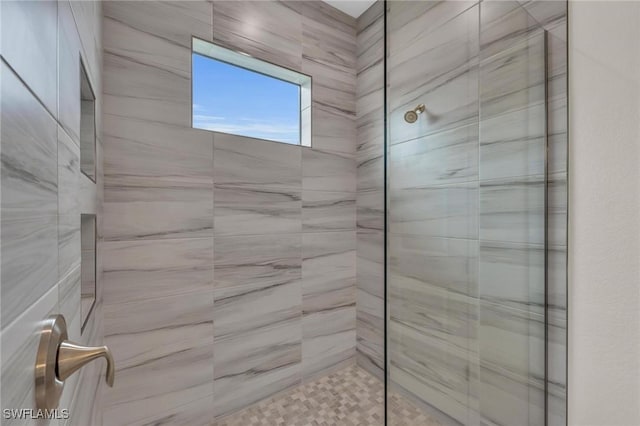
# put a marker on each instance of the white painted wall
(604, 228)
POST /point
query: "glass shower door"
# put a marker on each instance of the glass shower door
(512, 217)
(466, 197)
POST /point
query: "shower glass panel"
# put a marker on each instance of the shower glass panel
(466, 214)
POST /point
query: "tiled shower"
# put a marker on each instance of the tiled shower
(391, 273)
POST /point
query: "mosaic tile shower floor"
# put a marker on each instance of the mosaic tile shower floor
(348, 397)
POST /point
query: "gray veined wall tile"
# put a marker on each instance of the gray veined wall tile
(88, 196)
(89, 381)
(328, 271)
(370, 119)
(370, 210)
(321, 12)
(450, 264)
(512, 360)
(136, 150)
(194, 413)
(448, 55)
(333, 89)
(409, 20)
(513, 122)
(557, 104)
(417, 361)
(258, 339)
(434, 311)
(557, 209)
(69, 298)
(557, 137)
(144, 195)
(370, 172)
(29, 198)
(244, 308)
(34, 23)
(512, 210)
(452, 104)
(370, 300)
(246, 162)
(329, 42)
(146, 211)
(328, 211)
(333, 129)
(370, 262)
(328, 171)
(370, 196)
(557, 369)
(370, 244)
(68, 72)
(513, 144)
(255, 27)
(369, 333)
(169, 340)
(167, 20)
(254, 365)
(68, 205)
(257, 259)
(135, 270)
(557, 278)
(88, 17)
(370, 37)
(514, 78)
(250, 210)
(439, 211)
(550, 14)
(152, 33)
(257, 342)
(370, 134)
(328, 340)
(133, 88)
(513, 275)
(329, 55)
(423, 34)
(370, 96)
(503, 24)
(445, 157)
(19, 345)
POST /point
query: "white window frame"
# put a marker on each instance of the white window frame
(243, 60)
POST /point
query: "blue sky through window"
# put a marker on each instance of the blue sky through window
(231, 99)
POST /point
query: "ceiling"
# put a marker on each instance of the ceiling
(354, 8)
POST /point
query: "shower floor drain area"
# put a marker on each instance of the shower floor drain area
(348, 397)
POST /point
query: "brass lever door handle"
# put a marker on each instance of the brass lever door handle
(58, 358)
(72, 357)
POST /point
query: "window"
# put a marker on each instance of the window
(241, 95)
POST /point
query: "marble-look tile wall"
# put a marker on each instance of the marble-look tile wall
(44, 193)
(370, 186)
(229, 261)
(466, 208)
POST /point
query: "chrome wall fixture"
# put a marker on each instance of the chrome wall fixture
(411, 116)
(58, 358)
